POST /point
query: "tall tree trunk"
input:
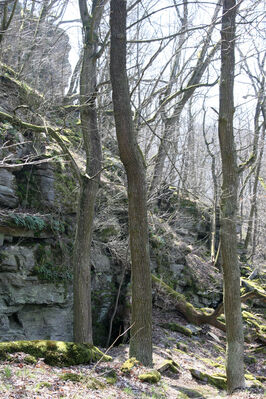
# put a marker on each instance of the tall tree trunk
(90, 181)
(229, 204)
(131, 156)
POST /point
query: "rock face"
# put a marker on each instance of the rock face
(30, 308)
(8, 195)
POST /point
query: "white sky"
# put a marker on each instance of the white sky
(73, 30)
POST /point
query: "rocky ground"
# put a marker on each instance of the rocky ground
(203, 351)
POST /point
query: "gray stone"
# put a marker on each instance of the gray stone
(8, 262)
(46, 322)
(19, 290)
(4, 323)
(45, 175)
(176, 269)
(22, 257)
(8, 195)
(100, 261)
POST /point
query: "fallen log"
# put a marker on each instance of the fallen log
(191, 314)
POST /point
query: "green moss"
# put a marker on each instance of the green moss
(182, 395)
(206, 311)
(94, 383)
(128, 365)
(72, 377)
(255, 284)
(253, 381)
(55, 353)
(43, 384)
(212, 363)
(153, 376)
(29, 359)
(179, 351)
(178, 328)
(111, 377)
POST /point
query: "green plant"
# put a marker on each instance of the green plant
(53, 273)
(43, 384)
(128, 391)
(7, 372)
(31, 222)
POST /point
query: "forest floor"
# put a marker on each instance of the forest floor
(204, 351)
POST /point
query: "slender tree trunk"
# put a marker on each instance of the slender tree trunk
(229, 205)
(90, 181)
(131, 156)
(6, 19)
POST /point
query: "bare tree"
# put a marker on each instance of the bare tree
(229, 204)
(6, 16)
(89, 181)
(131, 156)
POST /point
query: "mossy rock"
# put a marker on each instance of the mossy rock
(91, 382)
(111, 377)
(212, 363)
(217, 380)
(182, 346)
(55, 353)
(152, 376)
(169, 365)
(178, 328)
(94, 383)
(128, 365)
(187, 393)
(253, 381)
(253, 285)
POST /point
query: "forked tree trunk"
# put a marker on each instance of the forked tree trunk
(131, 156)
(229, 205)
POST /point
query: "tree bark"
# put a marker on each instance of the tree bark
(131, 156)
(229, 205)
(90, 181)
